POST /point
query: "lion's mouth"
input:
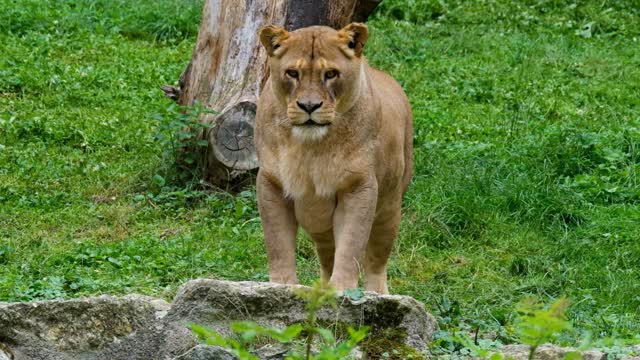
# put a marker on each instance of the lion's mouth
(311, 123)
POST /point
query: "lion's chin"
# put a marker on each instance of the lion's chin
(309, 133)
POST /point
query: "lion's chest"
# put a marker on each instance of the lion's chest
(304, 174)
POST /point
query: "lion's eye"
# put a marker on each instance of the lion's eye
(292, 73)
(330, 74)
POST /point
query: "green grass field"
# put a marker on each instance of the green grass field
(527, 147)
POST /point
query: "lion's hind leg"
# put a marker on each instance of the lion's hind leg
(383, 236)
(326, 248)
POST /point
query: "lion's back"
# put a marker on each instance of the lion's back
(397, 118)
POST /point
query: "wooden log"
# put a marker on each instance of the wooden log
(228, 69)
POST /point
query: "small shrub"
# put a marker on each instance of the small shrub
(302, 336)
(538, 325)
(179, 133)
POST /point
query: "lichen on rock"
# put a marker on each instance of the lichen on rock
(141, 327)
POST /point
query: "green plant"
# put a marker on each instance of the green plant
(538, 325)
(247, 332)
(317, 297)
(181, 135)
(535, 326)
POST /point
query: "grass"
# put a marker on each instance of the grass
(527, 154)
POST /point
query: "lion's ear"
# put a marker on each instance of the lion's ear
(271, 36)
(356, 35)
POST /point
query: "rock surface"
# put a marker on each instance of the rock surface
(203, 352)
(44, 329)
(548, 352)
(140, 327)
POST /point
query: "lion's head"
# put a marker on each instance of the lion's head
(316, 73)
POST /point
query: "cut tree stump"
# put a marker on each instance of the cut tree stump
(228, 69)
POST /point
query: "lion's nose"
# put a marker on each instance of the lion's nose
(309, 106)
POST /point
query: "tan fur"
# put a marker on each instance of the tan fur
(340, 176)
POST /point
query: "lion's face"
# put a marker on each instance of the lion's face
(316, 73)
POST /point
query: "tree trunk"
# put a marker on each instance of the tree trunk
(228, 69)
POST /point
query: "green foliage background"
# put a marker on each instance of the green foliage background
(527, 154)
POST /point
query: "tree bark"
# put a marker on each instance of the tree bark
(228, 69)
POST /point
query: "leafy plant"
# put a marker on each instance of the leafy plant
(538, 325)
(181, 135)
(535, 326)
(304, 335)
(248, 332)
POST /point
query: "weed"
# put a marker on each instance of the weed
(538, 325)
(317, 297)
(179, 134)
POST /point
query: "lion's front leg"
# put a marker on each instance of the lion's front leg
(280, 228)
(352, 224)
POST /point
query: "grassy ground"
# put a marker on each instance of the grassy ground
(527, 153)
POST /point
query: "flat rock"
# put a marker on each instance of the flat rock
(216, 303)
(141, 327)
(548, 352)
(61, 329)
(203, 352)
(5, 353)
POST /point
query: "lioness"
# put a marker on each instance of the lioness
(334, 141)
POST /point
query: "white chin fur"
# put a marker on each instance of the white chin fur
(309, 133)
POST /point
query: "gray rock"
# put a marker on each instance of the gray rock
(56, 328)
(357, 354)
(5, 353)
(140, 327)
(548, 352)
(216, 303)
(272, 352)
(160, 306)
(203, 352)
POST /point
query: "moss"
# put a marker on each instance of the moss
(384, 335)
(390, 342)
(379, 341)
(384, 315)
